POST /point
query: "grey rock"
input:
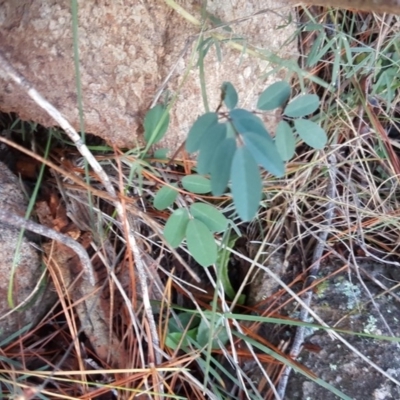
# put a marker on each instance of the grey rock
(126, 50)
(31, 295)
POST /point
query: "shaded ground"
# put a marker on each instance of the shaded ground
(342, 302)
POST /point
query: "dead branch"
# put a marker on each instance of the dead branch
(83, 149)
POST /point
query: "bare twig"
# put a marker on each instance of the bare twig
(83, 149)
(8, 217)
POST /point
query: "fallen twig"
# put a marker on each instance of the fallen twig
(8, 217)
(83, 149)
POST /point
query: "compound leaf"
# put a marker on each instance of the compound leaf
(285, 141)
(264, 152)
(182, 321)
(302, 106)
(165, 197)
(230, 95)
(311, 133)
(181, 339)
(201, 243)
(211, 139)
(220, 169)
(161, 154)
(187, 323)
(199, 128)
(246, 184)
(220, 334)
(175, 228)
(196, 184)
(245, 121)
(210, 216)
(274, 96)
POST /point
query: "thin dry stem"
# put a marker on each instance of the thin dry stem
(8, 217)
(57, 116)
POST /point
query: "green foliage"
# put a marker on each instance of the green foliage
(311, 133)
(196, 184)
(230, 95)
(161, 154)
(156, 124)
(211, 140)
(246, 184)
(198, 228)
(285, 141)
(203, 334)
(165, 197)
(199, 128)
(182, 332)
(222, 264)
(210, 216)
(264, 152)
(231, 147)
(175, 228)
(245, 121)
(220, 169)
(302, 106)
(274, 96)
(201, 243)
(232, 150)
(191, 330)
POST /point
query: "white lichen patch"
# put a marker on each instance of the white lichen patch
(351, 291)
(371, 327)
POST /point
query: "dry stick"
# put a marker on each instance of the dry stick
(82, 148)
(8, 217)
(299, 337)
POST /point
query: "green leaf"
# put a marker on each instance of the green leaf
(302, 106)
(313, 56)
(246, 184)
(186, 320)
(230, 131)
(311, 133)
(156, 123)
(211, 139)
(181, 339)
(161, 154)
(175, 228)
(220, 169)
(285, 141)
(199, 128)
(201, 243)
(311, 26)
(165, 197)
(219, 332)
(229, 240)
(319, 54)
(210, 216)
(196, 184)
(230, 95)
(264, 152)
(245, 121)
(274, 96)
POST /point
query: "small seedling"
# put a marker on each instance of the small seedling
(231, 146)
